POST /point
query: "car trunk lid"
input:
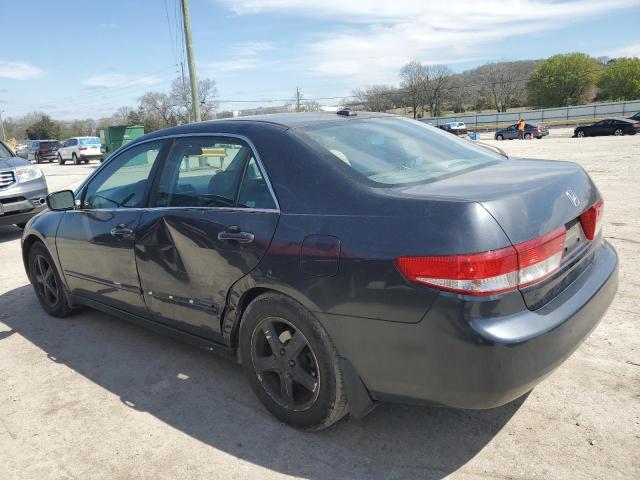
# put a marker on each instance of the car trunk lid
(528, 199)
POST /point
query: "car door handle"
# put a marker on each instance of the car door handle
(234, 234)
(121, 231)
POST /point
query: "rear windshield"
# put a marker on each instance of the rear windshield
(394, 151)
(48, 144)
(90, 141)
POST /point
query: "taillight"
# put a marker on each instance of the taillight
(591, 219)
(492, 272)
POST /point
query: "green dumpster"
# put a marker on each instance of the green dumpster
(114, 137)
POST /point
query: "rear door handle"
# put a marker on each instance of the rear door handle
(121, 231)
(234, 234)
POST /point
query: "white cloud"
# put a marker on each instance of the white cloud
(18, 70)
(252, 48)
(632, 50)
(112, 80)
(379, 37)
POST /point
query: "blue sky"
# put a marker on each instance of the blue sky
(78, 59)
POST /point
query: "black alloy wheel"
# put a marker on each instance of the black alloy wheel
(291, 363)
(45, 281)
(285, 363)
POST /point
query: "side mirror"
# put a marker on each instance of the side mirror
(62, 200)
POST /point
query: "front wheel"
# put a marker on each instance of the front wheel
(46, 282)
(580, 134)
(618, 132)
(291, 363)
(75, 159)
(527, 136)
(499, 137)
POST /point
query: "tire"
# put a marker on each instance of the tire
(527, 136)
(618, 132)
(60, 161)
(580, 134)
(75, 159)
(86, 161)
(499, 137)
(295, 373)
(46, 282)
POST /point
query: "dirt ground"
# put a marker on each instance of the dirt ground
(93, 397)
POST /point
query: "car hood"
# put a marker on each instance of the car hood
(13, 162)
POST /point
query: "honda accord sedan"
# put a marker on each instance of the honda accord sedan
(344, 259)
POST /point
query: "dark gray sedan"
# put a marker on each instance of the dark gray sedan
(343, 259)
(531, 130)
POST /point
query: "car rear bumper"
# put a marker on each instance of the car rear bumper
(90, 156)
(462, 356)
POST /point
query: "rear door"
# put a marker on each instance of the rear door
(95, 242)
(212, 219)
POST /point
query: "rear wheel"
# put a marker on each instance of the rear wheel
(46, 282)
(499, 137)
(618, 132)
(291, 363)
(75, 159)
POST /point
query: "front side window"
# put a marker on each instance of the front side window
(202, 172)
(124, 180)
(392, 151)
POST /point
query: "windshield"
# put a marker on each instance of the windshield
(90, 141)
(4, 152)
(396, 150)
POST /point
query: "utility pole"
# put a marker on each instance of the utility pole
(192, 66)
(4, 139)
(298, 95)
(184, 91)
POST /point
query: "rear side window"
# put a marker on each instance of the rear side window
(394, 151)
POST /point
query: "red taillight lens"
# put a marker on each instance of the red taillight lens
(591, 219)
(491, 272)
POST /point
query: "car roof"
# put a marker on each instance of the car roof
(303, 119)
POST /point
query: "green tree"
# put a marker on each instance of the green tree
(43, 128)
(563, 80)
(621, 80)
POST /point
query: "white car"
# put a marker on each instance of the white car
(80, 149)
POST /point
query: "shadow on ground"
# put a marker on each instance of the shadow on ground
(9, 232)
(209, 399)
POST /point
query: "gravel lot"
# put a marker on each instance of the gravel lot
(93, 397)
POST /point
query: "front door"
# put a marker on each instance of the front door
(95, 242)
(211, 220)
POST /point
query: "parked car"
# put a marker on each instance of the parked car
(344, 259)
(457, 128)
(42, 150)
(608, 126)
(635, 117)
(531, 130)
(80, 149)
(23, 189)
(21, 150)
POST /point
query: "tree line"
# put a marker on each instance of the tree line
(561, 80)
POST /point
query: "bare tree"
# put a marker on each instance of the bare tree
(378, 98)
(435, 83)
(181, 96)
(412, 81)
(503, 84)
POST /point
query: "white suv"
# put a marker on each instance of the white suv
(80, 149)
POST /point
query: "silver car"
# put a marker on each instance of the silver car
(23, 189)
